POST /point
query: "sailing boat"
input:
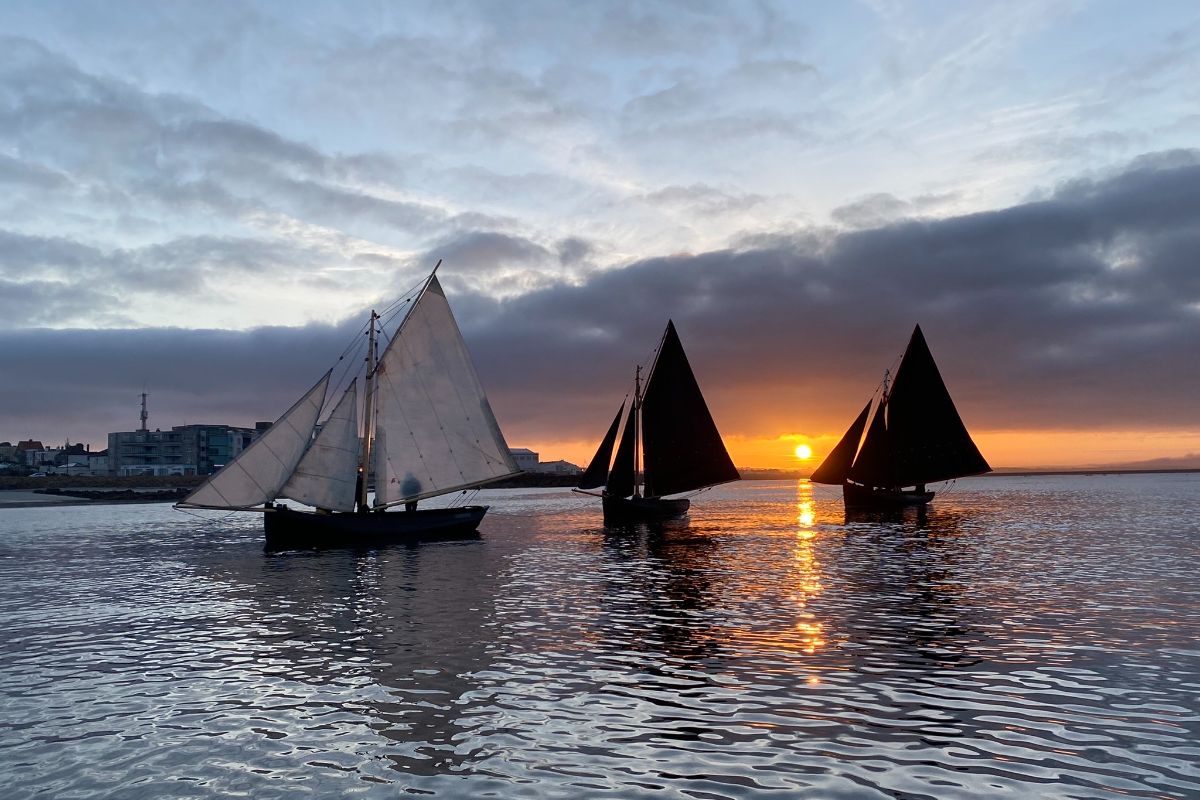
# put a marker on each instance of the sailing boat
(428, 431)
(671, 424)
(916, 437)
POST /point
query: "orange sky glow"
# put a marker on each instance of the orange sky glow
(1011, 449)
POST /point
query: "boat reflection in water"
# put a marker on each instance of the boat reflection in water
(667, 611)
(385, 640)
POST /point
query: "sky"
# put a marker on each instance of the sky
(201, 201)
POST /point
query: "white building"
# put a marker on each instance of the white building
(526, 459)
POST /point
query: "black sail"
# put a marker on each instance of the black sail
(873, 466)
(596, 473)
(836, 466)
(683, 448)
(926, 437)
(620, 480)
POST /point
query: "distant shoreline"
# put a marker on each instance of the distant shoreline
(1098, 471)
(786, 475)
(84, 491)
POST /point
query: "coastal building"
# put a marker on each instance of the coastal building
(528, 461)
(45, 459)
(82, 462)
(559, 468)
(147, 452)
(183, 450)
(8, 457)
(28, 452)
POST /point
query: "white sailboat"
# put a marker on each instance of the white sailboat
(428, 430)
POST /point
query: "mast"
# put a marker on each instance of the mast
(368, 416)
(637, 407)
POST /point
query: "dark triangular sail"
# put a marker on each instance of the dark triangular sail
(872, 467)
(927, 440)
(596, 474)
(683, 448)
(836, 466)
(620, 480)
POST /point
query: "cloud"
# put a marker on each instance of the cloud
(1079, 310)
(703, 200)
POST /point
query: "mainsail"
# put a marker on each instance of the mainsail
(435, 432)
(683, 448)
(927, 438)
(256, 474)
(596, 474)
(326, 475)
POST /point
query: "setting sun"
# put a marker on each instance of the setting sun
(803, 452)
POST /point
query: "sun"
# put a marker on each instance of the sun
(803, 452)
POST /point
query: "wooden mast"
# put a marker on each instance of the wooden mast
(637, 407)
(364, 468)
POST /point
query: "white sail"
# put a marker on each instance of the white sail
(256, 475)
(327, 474)
(435, 431)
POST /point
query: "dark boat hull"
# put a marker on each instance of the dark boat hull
(286, 527)
(870, 497)
(626, 510)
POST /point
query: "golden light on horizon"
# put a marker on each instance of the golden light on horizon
(1027, 449)
(803, 452)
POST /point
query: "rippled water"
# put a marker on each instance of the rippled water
(1028, 637)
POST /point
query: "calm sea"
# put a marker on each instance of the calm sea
(1027, 638)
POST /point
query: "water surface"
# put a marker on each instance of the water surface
(1028, 637)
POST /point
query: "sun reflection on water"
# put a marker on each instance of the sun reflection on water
(807, 570)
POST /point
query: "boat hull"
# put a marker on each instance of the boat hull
(287, 528)
(857, 496)
(626, 510)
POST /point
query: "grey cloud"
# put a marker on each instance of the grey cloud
(221, 137)
(486, 250)
(1076, 311)
(105, 127)
(46, 276)
(875, 209)
(44, 302)
(13, 171)
(574, 250)
(1079, 310)
(703, 200)
(1057, 146)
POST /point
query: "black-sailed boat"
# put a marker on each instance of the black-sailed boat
(670, 424)
(428, 431)
(915, 438)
